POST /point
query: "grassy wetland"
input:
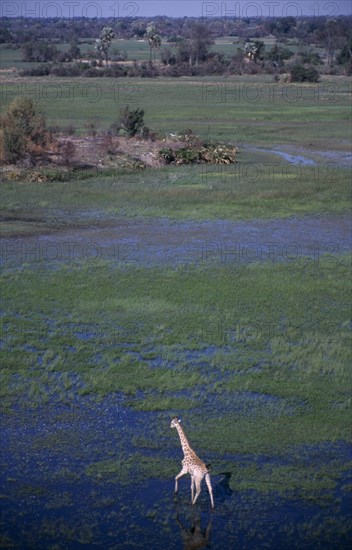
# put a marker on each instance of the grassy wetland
(111, 326)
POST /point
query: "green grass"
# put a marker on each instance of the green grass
(147, 334)
(251, 110)
(246, 109)
(137, 467)
(166, 312)
(249, 189)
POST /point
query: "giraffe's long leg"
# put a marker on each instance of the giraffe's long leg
(198, 482)
(182, 473)
(192, 488)
(208, 482)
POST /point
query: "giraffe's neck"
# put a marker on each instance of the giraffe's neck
(184, 441)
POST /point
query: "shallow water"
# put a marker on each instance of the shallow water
(48, 498)
(297, 155)
(292, 159)
(149, 242)
(49, 501)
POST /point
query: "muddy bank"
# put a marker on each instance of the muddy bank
(165, 242)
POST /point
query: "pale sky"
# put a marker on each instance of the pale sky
(173, 8)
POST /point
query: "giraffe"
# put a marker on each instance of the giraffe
(192, 465)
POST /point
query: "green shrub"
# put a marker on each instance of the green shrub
(23, 131)
(214, 154)
(219, 154)
(167, 154)
(186, 155)
(131, 121)
(300, 73)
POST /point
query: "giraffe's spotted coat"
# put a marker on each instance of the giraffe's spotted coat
(191, 464)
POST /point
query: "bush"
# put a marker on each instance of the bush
(66, 70)
(186, 156)
(300, 73)
(39, 52)
(40, 70)
(219, 154)
(214, 154)
(167, 154)
(130, 121)
(24, 131)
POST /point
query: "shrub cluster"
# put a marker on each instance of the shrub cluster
(23, 132)
(302, 73)
(215, 154)
(24, 136)
(130, 123)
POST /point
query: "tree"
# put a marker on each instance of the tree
(278, 54)
(332, 38)
(74, 51)
(300, 73)
(200, 40)
(254, 50)
(285, 24)
(167, 56)
(103, 43)
(311, 57)
(23, 130)
(154, 41)
(39, 52)
(345, 54)
(130, 121)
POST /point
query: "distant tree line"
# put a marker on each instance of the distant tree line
(182, 46)
(322, 31)
(190, 57)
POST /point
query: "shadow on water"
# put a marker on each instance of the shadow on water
(222, 489)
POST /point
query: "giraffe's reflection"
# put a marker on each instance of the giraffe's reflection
(194, 537)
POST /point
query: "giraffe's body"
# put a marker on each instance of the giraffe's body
(191, 464)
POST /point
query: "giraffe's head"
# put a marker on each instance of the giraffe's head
(174, 422)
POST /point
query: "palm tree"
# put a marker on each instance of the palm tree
(154, 40)
(103, 43)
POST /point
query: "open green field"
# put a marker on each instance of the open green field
(242, 109)
(196, 193)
